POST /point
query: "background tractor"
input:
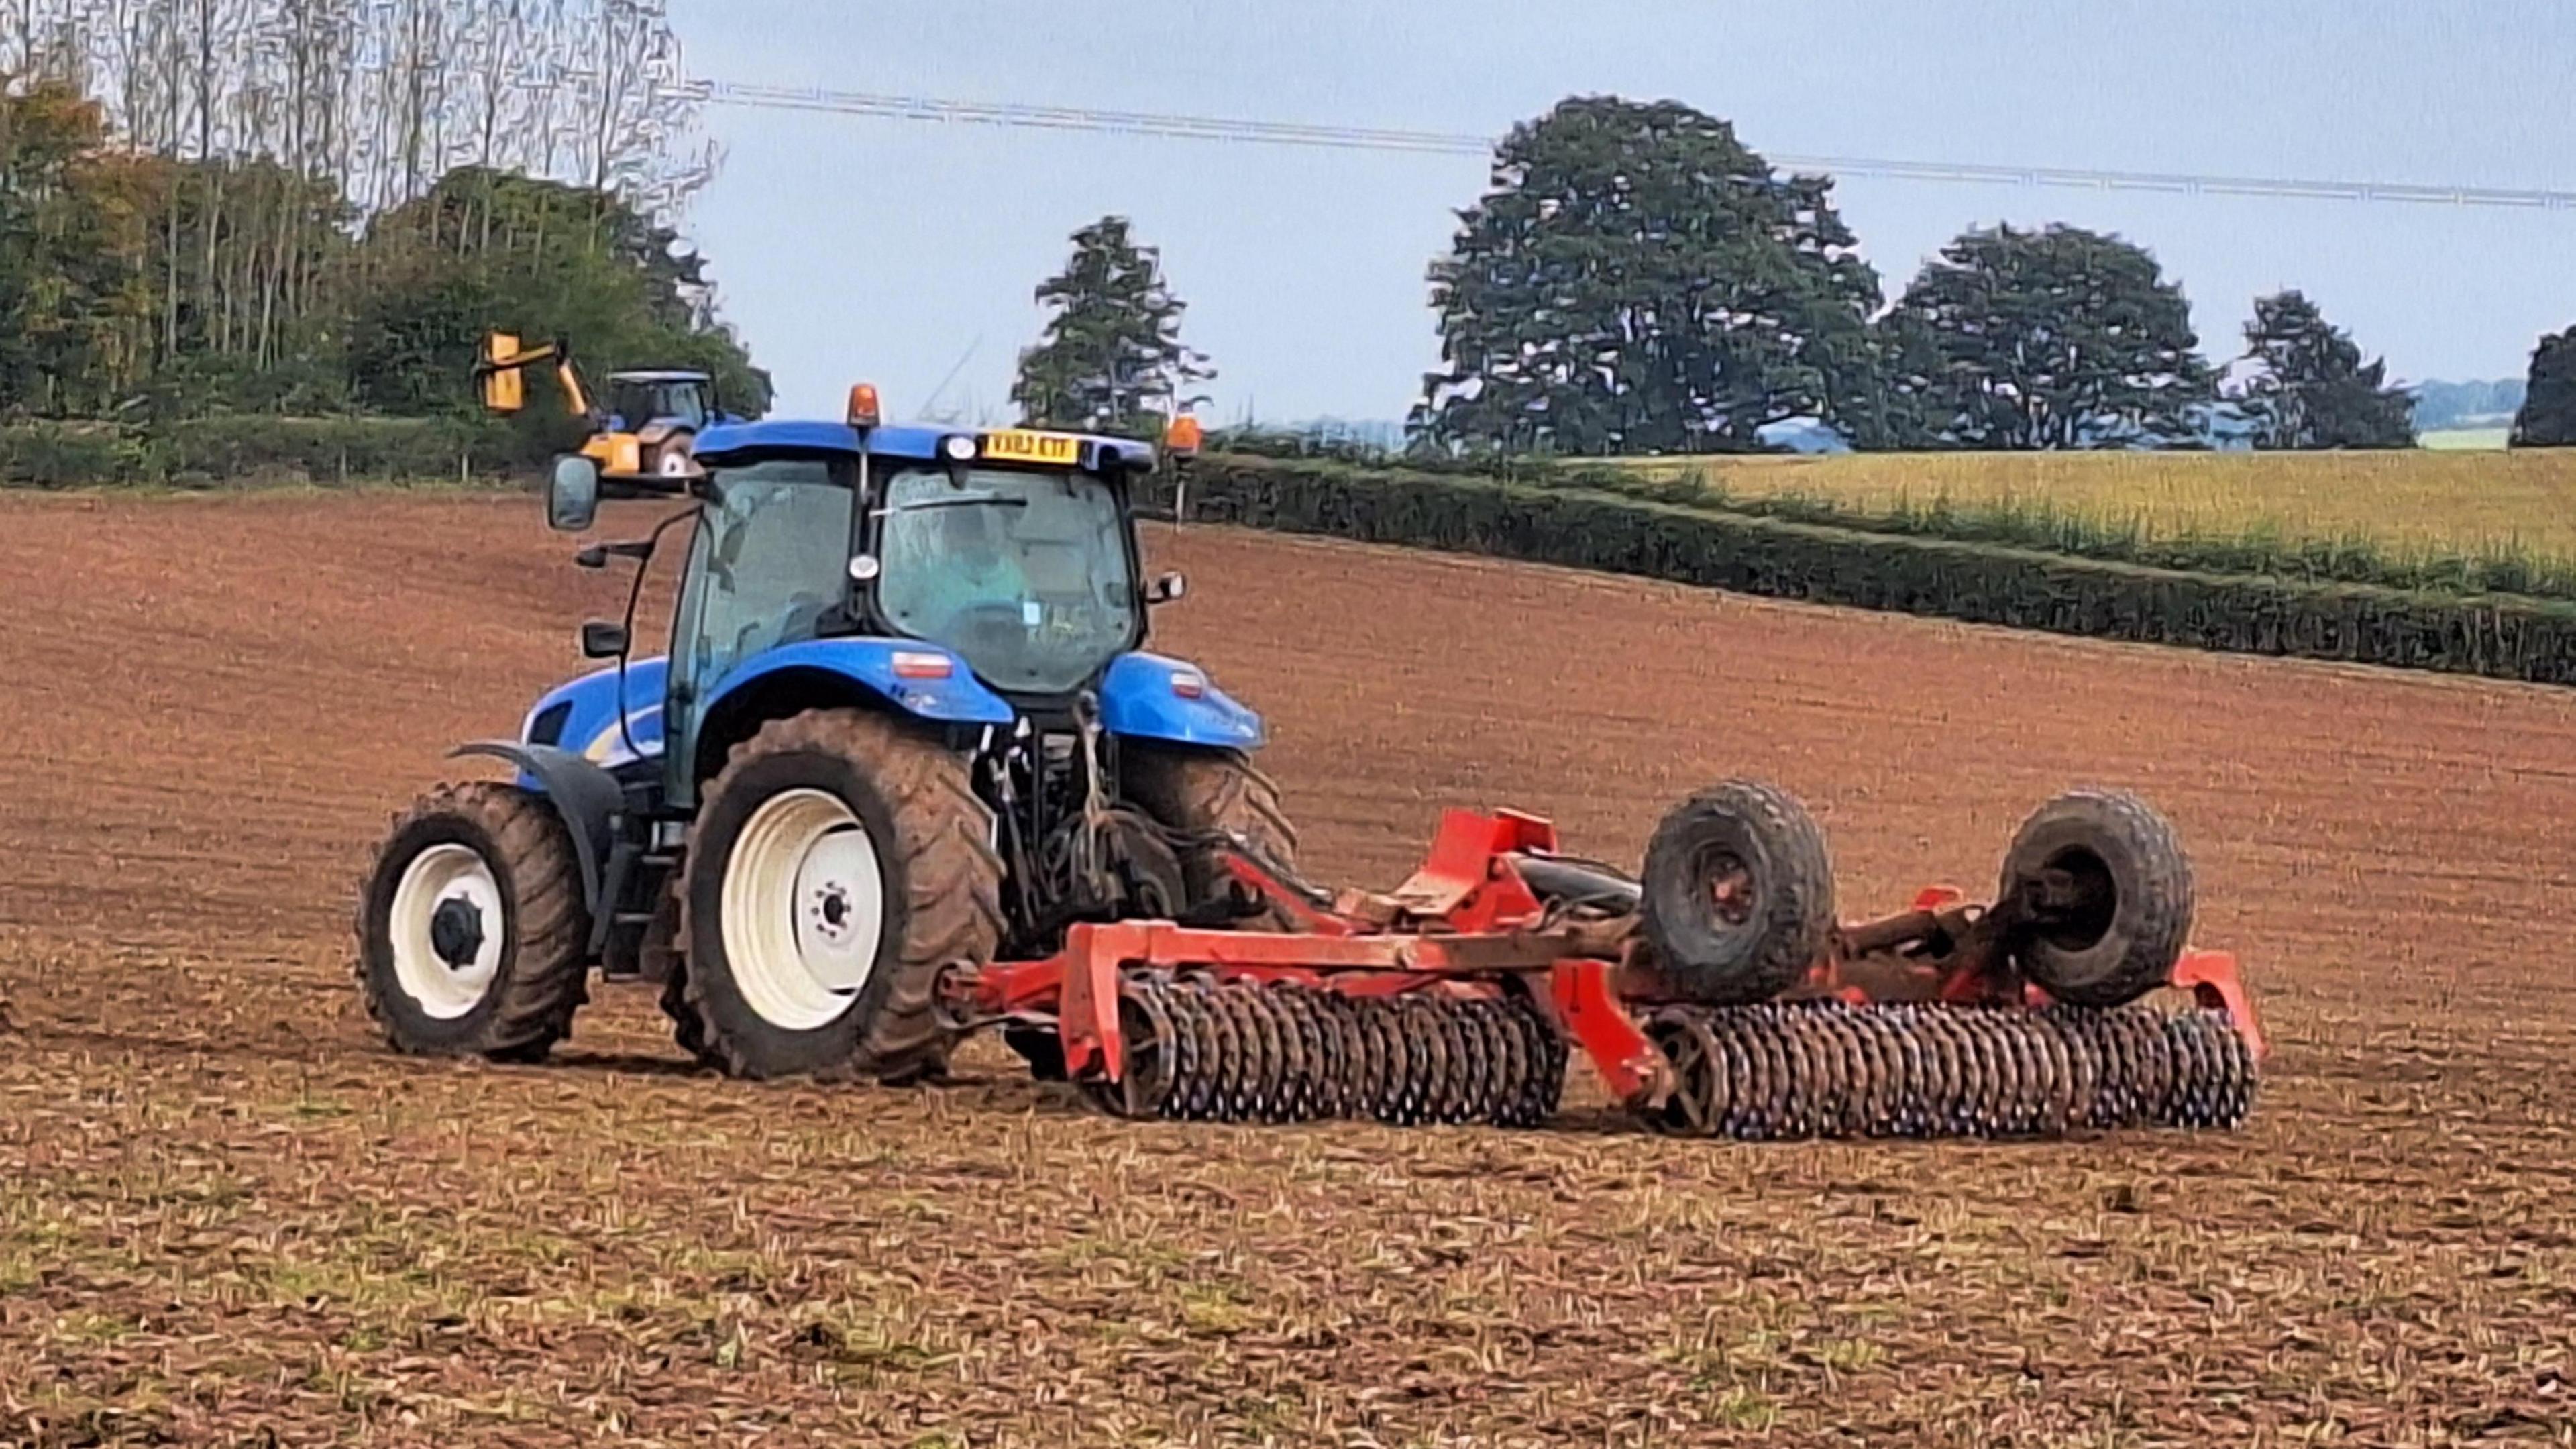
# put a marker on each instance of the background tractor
(646, 426)
(905, 724)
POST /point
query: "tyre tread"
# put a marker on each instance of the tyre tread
(952, 889)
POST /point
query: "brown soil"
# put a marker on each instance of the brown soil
(227, 1214)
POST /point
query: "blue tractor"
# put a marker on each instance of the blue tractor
(905, 724)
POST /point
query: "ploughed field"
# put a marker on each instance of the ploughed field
(228, 1213)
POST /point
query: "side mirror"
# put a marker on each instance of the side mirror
(1167, 589)
(602, 640)
(572, 495)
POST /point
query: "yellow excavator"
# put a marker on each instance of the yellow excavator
(644, 432)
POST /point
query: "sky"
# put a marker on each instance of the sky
(906, 252)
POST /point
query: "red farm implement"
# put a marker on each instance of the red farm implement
(1716, 994)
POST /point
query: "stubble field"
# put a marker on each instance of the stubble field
(229, 1215)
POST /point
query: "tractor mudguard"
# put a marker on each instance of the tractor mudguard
(906, 673)
(586, 797)
(1149, 697)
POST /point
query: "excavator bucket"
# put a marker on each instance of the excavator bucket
(503, 389)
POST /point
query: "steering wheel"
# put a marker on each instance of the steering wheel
(807, 607)
(992, 622)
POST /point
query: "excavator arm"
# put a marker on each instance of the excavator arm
(498, 375)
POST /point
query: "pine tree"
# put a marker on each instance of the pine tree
(2548, 415)
(1111, 358)
(2312, 390)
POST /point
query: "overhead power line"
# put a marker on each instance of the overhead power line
(1440, 143)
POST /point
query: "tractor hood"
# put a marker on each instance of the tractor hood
(582, 716)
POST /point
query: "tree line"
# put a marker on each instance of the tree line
(1636, 280)
(322, 205)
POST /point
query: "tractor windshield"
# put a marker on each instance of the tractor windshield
(639, 401)
(1024, 573)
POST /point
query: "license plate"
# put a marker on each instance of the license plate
(1018, 445)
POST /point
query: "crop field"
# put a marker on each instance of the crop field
(2463, 439)
(229, 1216)
(2431, 500)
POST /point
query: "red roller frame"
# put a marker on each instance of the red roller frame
(1467, 924)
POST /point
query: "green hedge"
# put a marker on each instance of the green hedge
(2015, 523)
(2496, 636)
(217, 450)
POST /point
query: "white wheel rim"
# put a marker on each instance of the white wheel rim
(675, 463)
(456, 878)
(804, 909)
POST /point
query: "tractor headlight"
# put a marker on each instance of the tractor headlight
(958, 447)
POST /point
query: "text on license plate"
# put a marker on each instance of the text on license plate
(1018, 445)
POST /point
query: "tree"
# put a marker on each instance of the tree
(2058, 338)
(1110, 359)
(485, 250)
(2310, 388)
(75, 310)
(1637, 280)
(2548, 415)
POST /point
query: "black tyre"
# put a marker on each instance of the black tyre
(1738, 895)
(2109, 893)
(471, 926)
(838, 863)
(672, 458)
(1200, 792)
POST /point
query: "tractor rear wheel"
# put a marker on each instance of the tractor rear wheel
(674, 457)
(1203, 792)
(2107, 881)
(839, 862)
(471, 926)
(1737, 895)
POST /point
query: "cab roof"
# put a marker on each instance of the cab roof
(889, 441)
(667, 374)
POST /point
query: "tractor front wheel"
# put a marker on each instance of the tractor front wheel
(839, 862)
(471, 926)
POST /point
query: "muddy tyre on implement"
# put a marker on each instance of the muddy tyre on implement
(839, 862)
(1737, 895)
(471, 926)
(1203, 792)
(2111, 890)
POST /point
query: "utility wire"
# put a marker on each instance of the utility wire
(1439, 143)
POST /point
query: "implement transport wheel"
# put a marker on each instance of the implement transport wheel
(1202, 791)
(471, 926)
(1738, 895)
(838, 862)
(2107, 896)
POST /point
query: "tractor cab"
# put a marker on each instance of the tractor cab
(967, 578)
(674, 398)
